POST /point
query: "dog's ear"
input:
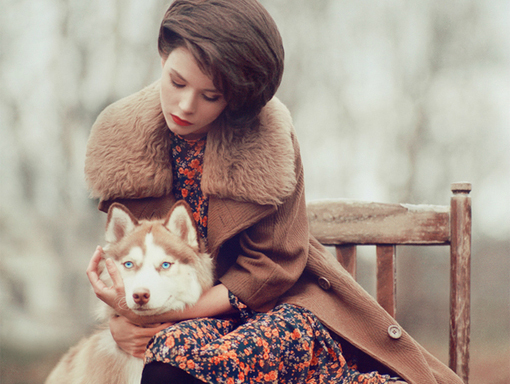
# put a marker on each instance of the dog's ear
(180, 222)
(119, 223)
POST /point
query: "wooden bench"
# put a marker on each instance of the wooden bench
(345, 224)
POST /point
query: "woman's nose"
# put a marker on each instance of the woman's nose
(188, 103)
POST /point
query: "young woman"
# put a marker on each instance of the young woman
(211, 132)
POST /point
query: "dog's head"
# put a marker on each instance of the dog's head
(160, 261)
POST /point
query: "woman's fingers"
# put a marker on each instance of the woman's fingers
(93, 273)
(132, 338)
(114, 296)
(118, 283)
(157, 327)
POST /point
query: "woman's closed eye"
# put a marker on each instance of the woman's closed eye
(206, 97)
(178, 85)
(212, 99)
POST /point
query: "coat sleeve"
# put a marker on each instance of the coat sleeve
(272, 253)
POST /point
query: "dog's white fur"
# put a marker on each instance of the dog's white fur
(160, 261)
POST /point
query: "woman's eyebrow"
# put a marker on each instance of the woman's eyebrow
(176, 73)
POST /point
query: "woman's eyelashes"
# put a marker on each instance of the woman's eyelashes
(206, 97)
(212, 99)
(177, 85)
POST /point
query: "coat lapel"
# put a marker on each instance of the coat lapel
(228, 217)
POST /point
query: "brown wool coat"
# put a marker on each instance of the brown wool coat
(257, 229)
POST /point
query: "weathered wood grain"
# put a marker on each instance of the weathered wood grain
(387, 278)
(346, 255)
(460, 280)
(354, 222)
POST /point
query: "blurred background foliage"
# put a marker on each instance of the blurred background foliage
(392, 101)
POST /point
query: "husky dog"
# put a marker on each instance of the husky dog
(162, 268)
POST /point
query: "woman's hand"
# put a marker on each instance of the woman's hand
(115, 295)
(132, 338)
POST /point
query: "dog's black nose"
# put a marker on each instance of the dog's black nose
(141, 296)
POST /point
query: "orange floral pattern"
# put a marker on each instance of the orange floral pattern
(286, 345)
(188, 158)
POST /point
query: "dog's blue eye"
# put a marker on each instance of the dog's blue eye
(166, 265)
(129, 264)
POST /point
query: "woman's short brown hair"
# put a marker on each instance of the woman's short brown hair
(236, 42)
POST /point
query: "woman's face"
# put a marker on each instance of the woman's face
(189, 99)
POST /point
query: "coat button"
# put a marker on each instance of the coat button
(324, 283)
(395, 332)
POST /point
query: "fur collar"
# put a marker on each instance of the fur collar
(128, 154)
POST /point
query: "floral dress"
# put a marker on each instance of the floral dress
(187, 161)
(285, 345)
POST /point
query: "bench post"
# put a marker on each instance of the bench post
(387, 278)
(346, 255)
(460, 275)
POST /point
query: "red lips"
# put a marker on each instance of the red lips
(181, 122)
